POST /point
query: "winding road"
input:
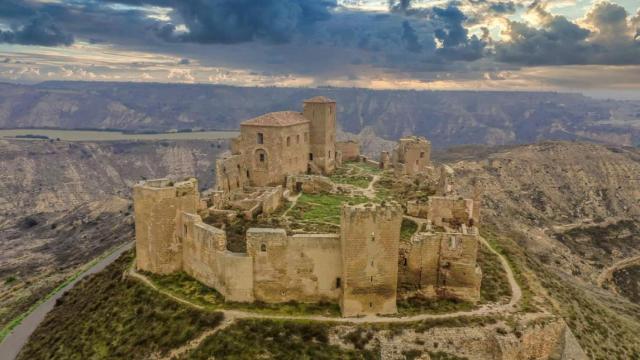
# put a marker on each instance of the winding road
(13, 343)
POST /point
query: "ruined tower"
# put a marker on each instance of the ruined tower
(321, 111)
(370, 235)
(157, 205)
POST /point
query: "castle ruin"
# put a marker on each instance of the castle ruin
(364, 266)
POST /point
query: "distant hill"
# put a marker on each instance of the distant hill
(446, 117)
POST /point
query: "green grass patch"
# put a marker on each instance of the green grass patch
(515, 257)
(17, 320)
(361, 181)
(495, 285)
(107, 316)
(184, 286)
(275, 339)
(322, 207)
(365, 167)
(420, 305)
(407, 229)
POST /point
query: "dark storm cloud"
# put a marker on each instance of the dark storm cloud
(562, 42)
(410, 38)
(236, 21)
(448, 27)
(39, 30)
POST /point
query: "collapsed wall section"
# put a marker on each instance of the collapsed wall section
(304, 267)
(444, 265)
(370, 236)
(156, 206)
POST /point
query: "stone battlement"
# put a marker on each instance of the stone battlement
(361, 266)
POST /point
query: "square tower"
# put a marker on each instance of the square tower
(321, 112)
(370, 235)
(158, 204)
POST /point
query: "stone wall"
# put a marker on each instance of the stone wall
(309, 184)
(206, 258)
(232, 173)
(370, 236)
(303, 268)
(412, 156)
(442, 265)
(285, 150)
(156, 206)
(450, 211)
(322, 114)
(350, 150)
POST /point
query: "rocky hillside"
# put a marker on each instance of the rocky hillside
(63, 203)
(447, 118)
(42, 176)
(566, 212)
(577, 203)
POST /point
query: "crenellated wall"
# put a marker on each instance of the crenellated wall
(370, 235)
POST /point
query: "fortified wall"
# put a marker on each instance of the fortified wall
(364, 267)
(277, 267)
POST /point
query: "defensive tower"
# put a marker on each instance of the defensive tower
(370, 235)
(321, 112)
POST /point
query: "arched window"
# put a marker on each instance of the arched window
(298, 139)
(288, 140)
(329, 154)
(263, 247)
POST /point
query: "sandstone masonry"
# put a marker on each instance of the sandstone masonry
(364, 266)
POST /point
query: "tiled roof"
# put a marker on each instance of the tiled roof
(319, 99)
(280, 118)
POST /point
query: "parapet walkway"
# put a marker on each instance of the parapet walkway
(486, 310)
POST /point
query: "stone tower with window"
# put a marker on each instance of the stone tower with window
(370, 236)
(321, 112)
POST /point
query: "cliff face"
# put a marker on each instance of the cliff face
(447, 118)
(43, 176)
(62, 204)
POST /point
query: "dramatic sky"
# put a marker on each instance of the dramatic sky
(568, 45)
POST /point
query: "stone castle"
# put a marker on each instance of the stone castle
(364, 267)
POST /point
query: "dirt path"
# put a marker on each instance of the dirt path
(489, 309)
(293, 200)
(370, 192)
(607, 273)
(195, 343)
